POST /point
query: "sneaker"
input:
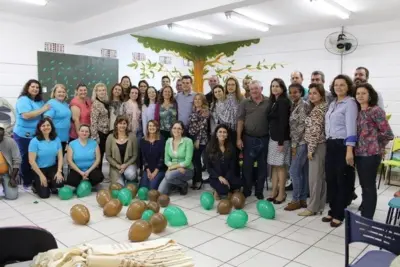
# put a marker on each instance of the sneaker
(303, 204)
(294, 205)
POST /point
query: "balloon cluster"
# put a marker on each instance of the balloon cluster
(237, 218)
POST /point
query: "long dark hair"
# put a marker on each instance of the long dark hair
(126, 77)
(25, 90)
(320, 89)
(146, 96)
(214, 100)
(373, 95)
(282, 85)
(39, 134)
(213, 149)
(183, 128)
(161, 97)
(145, 82)
(119, 119)
(139, 99)
(121, 97)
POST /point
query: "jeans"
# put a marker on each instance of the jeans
(175, 178)
(129, 175)
(74, 178)
(367, 168)
(299, 173)
(52, 185)
(139, 136)
(234, 184)
(339, 177)
(102, 146)
(25, 171)
(198, 172)
(153, 184)
(248, 162)
(10, 193)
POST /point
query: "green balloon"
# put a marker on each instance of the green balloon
(84, 189)
(207, 200)
(237, 219)
(175, 216)
(125, 196)
(266, 209)
(147, 215)
(114, 193)
(65, 193)
(142, 193)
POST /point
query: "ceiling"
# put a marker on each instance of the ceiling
(284, 16)
(62, 10)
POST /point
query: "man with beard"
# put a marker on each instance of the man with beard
(212, 81)
(361, 75)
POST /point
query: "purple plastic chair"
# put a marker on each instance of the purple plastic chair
(18, 244)
(387, 237)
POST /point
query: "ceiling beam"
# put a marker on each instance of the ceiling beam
(145, 14)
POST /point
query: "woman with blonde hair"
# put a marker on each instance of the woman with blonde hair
(60, 113)
(80, 107)
(198, 131)
(122, 153)
(99, 118)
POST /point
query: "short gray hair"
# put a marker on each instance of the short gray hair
(256, 82)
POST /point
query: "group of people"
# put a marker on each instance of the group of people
(318, 136)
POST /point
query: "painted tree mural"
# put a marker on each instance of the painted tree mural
(204, 58)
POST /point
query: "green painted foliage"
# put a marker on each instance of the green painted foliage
(193, 52)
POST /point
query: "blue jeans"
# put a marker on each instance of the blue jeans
(255, 150)
(25, 171)
(299, 173)
(176, 178)
(153, 184)
(10, 193)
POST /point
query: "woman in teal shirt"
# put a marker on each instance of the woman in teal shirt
(178, 158)
(60, 113)
(46, 159)
(83, 156)
(29, 110)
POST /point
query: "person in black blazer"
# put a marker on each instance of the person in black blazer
(279, 144)
(221, 163)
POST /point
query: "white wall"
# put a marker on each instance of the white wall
(379, 50)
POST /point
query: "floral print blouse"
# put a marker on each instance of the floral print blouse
(315, 127)
(198, 126)
(373, 131)
(167, 117)
(297, 122)
(99, 120)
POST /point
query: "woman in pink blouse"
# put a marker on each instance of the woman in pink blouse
(374, 132)
(80, 107)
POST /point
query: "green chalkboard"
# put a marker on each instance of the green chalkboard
(71, 70)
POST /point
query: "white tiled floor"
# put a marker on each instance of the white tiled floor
(289, 240)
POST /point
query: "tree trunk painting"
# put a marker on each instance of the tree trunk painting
(203, 59)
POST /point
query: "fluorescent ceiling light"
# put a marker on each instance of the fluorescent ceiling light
(189, 32)
(332, 8)
(199, 27)
(245, 21)
(37, 2)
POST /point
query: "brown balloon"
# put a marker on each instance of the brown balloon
(158, 222)
(238, 200)
(112, 208)
(140, 231)
(163, 200)
(135, 210)
(115, 186)
(133, 188)
(153, 195)
(80, 214)
(224, 206)
(102, 197)
(154, 206)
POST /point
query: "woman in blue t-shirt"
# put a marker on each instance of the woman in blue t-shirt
(83, 155)
(29, 109)
(46, 159)
(60, 113)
